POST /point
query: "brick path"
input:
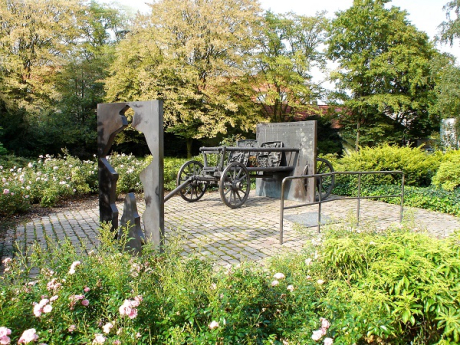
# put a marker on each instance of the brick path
(225, 235)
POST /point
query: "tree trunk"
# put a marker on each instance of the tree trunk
(189, 142)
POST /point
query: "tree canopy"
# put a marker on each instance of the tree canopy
(450, 28)
(192, 54)
(384, 73)
(289, 47)
(55, 55)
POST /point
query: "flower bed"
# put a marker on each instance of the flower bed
(350, 286)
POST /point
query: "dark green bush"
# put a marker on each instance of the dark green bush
(429, 198)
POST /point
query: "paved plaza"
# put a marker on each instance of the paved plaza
(228, 236)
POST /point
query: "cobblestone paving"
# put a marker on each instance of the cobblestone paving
(226, 235)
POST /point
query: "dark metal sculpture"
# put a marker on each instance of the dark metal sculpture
(110, 122)
(132, 220)
(148, 118)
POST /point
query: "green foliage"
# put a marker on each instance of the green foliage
(448, 175)
(385, 62)
(48, 179)
(418, 166)
(3, 151)
(13, 200)
(429, 198)
(450, 29)
(194, 56)
(289, 49)
(54, 58)
(388, 287)
(396, 287)
(446, 74)
(178, 298)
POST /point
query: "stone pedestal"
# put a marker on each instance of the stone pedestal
(301, 135)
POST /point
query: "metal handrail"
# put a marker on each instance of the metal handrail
(320, 202)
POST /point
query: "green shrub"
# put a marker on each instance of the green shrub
(448, 175)
(171, 168)
(429, 198)
(13, 200)
(180, 298)
(392, 287)
(397, 287)
(418, 166)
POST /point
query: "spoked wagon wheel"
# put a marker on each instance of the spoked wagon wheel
(323, 166)
(234, 185)
(196, 189)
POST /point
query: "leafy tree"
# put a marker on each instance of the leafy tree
(289, 48)
(54, 56)
(35, 37)
(450, 28)
(445, 69)
(446, 74)
(80, 82)
(384, 76)
(193, 55)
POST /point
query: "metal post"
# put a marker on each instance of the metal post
(282, 212)
(319, 203)
(359, 198)
(402, 199)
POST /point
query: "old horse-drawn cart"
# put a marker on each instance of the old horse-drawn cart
(234, 167)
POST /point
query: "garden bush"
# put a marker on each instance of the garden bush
(418, 166)
(429, 198)
(49, 179)
(395, 287)
(448, 175)
(392, 287)
(45, 181)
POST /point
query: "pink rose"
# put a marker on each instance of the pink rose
(328, 341)
(317, 335)
(107, 327)
(47, 308)
(275, 283)
(99, 339)
(290, 287)
(28, 336)
(213, 325)
(73, 266)
(72, 328)
(128, 308)
(279, 276)
(86, 289)
(6, 261)
(5, 340)
(85, 302)
(4, 331)
(324, 323)
(38, 310)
